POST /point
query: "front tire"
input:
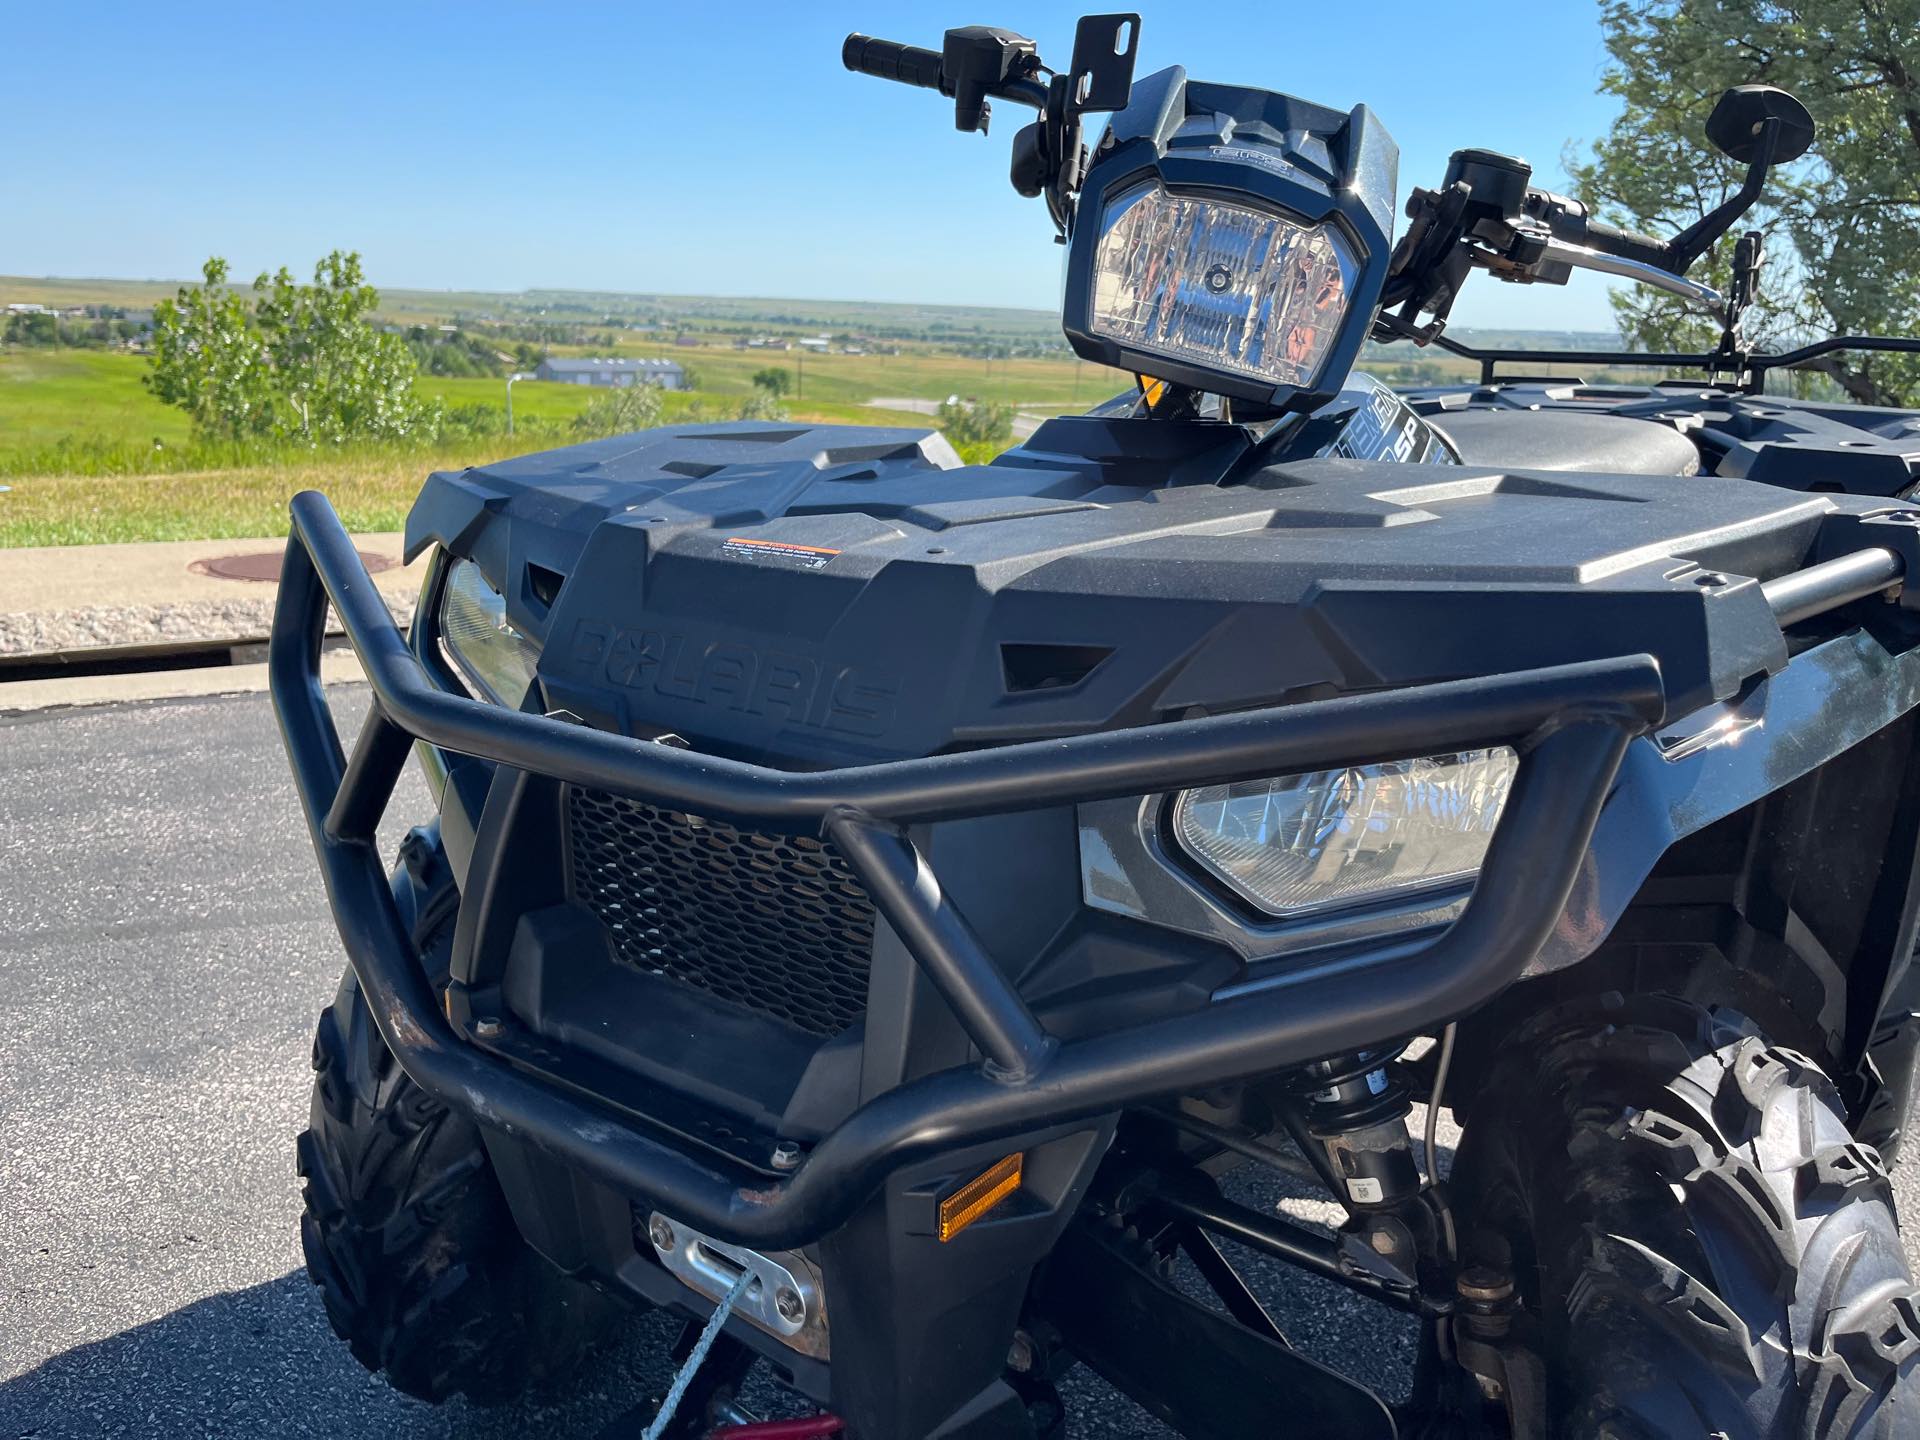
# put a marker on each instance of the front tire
(408, 1237)
(1706, 1246)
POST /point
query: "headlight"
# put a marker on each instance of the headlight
(490, 652)
(1222, 286)
(1306, 843)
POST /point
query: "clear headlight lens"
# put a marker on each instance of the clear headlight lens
(1219, 285)
(490, 652)
(1305, 843)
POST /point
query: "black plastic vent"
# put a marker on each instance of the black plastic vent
(544, 583)
(775, 923)
(1048, 667)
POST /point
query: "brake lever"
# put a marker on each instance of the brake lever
(1558, 252)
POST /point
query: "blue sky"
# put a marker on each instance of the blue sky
(699, 149)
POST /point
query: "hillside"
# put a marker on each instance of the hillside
(715, 319)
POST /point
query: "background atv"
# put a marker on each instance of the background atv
(886, 909)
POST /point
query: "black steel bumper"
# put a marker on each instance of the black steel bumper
(1571, 725)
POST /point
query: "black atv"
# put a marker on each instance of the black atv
(884, 909)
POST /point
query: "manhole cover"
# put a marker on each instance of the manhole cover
(266, 565)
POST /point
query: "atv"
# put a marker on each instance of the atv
(883, 911)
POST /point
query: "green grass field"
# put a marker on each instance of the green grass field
(77, 425)
(920, 375)
(94, 398)
(92, 457)
(50, 396)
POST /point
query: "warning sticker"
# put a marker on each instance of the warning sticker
(778, 552)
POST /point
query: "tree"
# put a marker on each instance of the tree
(763, 404)
(33, 329)
(969, 423)
(293, 362)
(623, 408)
(773, 380)
(1840, 223)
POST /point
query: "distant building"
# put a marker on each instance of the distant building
(667, 374)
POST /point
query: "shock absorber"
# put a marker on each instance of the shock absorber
(1355, 1130)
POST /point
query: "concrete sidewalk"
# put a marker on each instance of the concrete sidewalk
(61, 599)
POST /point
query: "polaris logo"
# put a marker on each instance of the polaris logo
(797, 689)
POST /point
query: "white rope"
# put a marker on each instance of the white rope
(664, 1416)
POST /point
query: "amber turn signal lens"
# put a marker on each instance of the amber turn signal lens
(979, 1195)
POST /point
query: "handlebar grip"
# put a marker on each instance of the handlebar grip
(890, 60)
(1629, 244)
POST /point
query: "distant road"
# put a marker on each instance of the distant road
(1023, 423)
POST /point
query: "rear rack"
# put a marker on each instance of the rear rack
(1749, 370)
(1571, 725)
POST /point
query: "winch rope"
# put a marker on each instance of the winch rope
(664, 1416)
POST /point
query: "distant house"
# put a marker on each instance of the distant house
(667, 374)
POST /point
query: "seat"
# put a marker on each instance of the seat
(1566, 440)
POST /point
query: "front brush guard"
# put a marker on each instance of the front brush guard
(1571, 725)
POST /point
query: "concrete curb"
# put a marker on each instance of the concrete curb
(24, 697)
(89, 600)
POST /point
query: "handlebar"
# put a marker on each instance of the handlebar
(890, 60)
(1579, 240)
(1572, 223)
(1629, 244)
(978, 62)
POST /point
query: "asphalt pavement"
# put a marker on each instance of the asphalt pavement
(164, 952)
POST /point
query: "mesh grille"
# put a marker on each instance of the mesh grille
(775, 923)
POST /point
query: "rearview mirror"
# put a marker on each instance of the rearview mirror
(1734, 125)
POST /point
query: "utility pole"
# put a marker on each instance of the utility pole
(517, 375)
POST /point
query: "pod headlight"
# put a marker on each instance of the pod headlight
(1301, 844)
(1228, 288)
(494, 656)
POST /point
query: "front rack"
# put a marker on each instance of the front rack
(1570, 724)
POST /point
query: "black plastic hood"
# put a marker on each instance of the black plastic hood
(820, 595)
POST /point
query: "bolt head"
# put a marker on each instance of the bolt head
(1020, 1353)
(661, 1233)
(788, 1302)
(488, 1028)
(1484, 1285)
(786, 1155)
